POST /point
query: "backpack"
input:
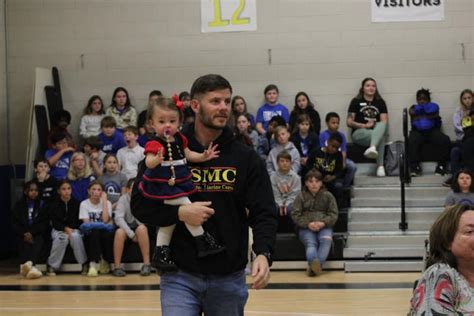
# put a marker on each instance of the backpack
(392, 156)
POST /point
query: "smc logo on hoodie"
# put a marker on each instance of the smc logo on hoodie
(214, 179)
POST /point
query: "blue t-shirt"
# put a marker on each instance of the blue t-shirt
(79, 188)
(112, 144)
(324, 136)
(267, 111)
(60, 168)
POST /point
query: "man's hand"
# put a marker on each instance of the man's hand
(260, 272)
(195, 213)
(68, 231)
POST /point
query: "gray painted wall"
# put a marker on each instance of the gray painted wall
(323, 47)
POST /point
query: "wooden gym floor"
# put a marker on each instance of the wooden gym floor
(290, 293)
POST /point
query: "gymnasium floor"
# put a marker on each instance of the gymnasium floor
(290, 293)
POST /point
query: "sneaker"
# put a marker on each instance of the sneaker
(50, 271)
(92, 272)
(448, 182)
(440, 170)
(371, 153)
(119, 272)
(85, 269)
(25, 268)
(104, 267)
(380, 171)
(34, 273)
(315, 266)
(207, 245)
(415, 170)
(145, 270)
(310, 272)
(162, 260)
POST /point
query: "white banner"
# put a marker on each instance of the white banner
(407, 10)
(228, 15)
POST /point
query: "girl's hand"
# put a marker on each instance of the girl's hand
(158, 158)
(211, 152)
(370, 124)
(103, 196)
(303, 161)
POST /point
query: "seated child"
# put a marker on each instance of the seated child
(121, 109)
(129, 229)
(97, 228)
(315, 213)
(60, 120)
(270, 109)
(79, 176)
(328, 161)
(282, 137)
(243, 127)
(426, 128)
(167, 178)
(188, 113)
(468, 141)
(64, 215)
(59, 156)
(30, 220)
(350, 168)
(462, 189)
(111, 138)
(93, 115)
(286, 184)
(113, 180)
(46, 184)
(94, 156)
(142, 116)
(130, 156)
(266, 141)
(305, 140)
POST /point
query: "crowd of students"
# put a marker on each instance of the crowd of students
(82, 198)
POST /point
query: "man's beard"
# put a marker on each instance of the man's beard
(206, 120)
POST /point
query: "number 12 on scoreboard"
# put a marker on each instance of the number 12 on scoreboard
(228, 15)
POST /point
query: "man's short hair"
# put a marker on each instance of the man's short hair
(208, 83)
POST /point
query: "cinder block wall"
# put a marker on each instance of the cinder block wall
(323, 47)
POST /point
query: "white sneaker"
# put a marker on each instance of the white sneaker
(371, 152)
(25, 268)
(34, 273)
(380, 171)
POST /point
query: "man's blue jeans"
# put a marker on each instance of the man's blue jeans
(317, 244)
(191, 294)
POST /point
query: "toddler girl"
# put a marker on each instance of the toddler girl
(167, 177)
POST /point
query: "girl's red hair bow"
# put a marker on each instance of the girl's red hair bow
(178, 103)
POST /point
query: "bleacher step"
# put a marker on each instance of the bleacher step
(383, 214)
(425, 180)
(379, 202)
(392, 252)
(395, 193)
(384, 266)
(385, 240)
(388, 225)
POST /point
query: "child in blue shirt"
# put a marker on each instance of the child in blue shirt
(350, 168)
(270, 109)
(305, 140)
(110, 138)
(59, 156)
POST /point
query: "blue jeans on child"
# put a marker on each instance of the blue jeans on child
(317, 244)
(191, 294)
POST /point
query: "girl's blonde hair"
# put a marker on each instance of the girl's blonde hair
(72, 174)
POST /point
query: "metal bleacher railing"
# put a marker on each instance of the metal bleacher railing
(404, 172)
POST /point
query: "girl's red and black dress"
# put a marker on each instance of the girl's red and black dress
(154, 184)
